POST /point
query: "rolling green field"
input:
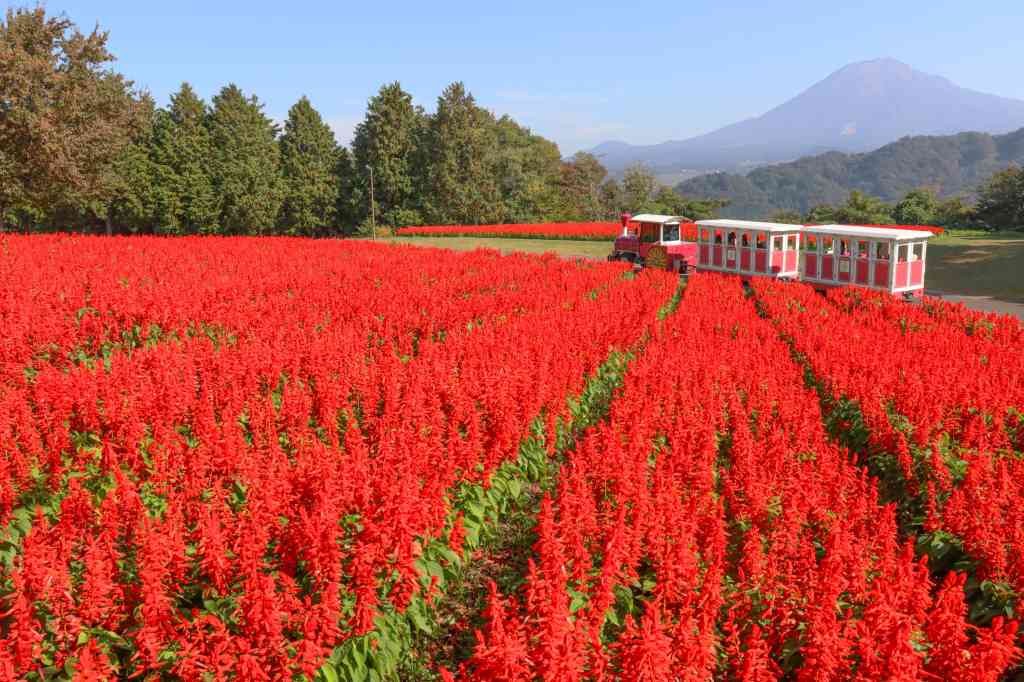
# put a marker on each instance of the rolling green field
(964, 263)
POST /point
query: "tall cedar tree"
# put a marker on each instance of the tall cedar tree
(309, 165)
(345, 208)
(388, 141)
(185, 199)
(134, 179)
(463, 156)
(246, 163)
(66, 119)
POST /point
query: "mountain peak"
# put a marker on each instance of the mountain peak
(611, 145)
(890, 64)
(859, 107)
(885, 72)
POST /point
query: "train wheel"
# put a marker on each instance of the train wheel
(657, 258)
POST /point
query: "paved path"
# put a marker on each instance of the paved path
(985, 304)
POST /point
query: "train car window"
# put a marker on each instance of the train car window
(704, 236)
(844, 247)
(917, 251)
(649, 233)
(745, 240)
(810, 243)
(828, 247)
(718, 236)
(762, 241)
(882, 250)
(901, 253)
(670, 232)
(731, 239)
(777, 243)
(862, 250)
(791, 242)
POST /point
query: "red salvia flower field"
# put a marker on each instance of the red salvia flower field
(242, 459)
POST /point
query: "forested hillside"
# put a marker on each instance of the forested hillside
(950, 165)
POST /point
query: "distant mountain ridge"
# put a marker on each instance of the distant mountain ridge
(858, 108)
(951, 164)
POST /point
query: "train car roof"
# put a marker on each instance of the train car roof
(868, 232)
(749, 225)
(657, 218)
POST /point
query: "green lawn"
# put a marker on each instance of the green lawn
(978, 264)
(965, 263)
(563, 247)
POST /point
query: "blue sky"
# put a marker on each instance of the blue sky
(576, 72)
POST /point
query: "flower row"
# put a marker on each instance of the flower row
(942, 405)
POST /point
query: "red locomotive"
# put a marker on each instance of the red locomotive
(659, 241)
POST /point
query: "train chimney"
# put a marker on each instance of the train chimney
(625, 217)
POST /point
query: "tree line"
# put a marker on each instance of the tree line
(999, 204)
(82, 148)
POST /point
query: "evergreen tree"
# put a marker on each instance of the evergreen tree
(168, 196)
(245, 164)
(309, 165)
(462, 148)
(387, 140)
(346, 210)
(134, 180)
(185, 201)
(193, 162)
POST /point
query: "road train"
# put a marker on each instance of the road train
(885, 257)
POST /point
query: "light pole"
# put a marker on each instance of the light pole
(373, 210)
(595, 202)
